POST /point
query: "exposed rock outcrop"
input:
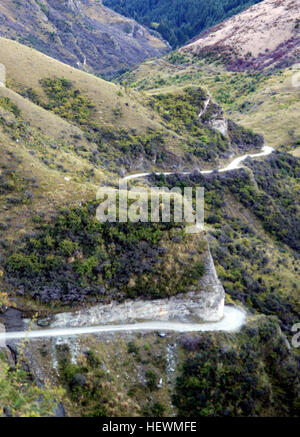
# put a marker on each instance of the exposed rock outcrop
(213, 115)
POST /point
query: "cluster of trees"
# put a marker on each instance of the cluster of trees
(66, 101)
(179, 20)
(257, 375)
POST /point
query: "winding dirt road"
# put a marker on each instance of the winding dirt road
(235, 164)
(234, 317)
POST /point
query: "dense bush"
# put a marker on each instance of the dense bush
(6, 103)
(243, 138)
(114, 144)
(14, 187)
(75, 257)
(86, 383)
(273, 199)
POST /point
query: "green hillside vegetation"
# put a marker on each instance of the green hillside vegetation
(20, 395)
(63, 134)
(96, 386)
(76, 258)
(249, 373)
(179, 20)
(264, 101)
(81, 33)
(39, 176)
(253, 223)
(26, 67)
(99, 113)
(234, 375)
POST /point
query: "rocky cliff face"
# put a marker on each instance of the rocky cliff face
(82, 33)
(215, 118)
(205, 304)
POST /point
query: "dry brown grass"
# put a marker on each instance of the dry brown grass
(25, 67)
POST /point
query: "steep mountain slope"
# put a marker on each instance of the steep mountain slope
(250, 65)
(266, 34)
(64, 133)
(252, 216)
(268, 102)
(179, 20)
(82, 33)
(265, 102)
(249, 373)
(128, 130)
(25, 68)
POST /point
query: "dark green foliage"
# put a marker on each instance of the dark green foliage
(157, 409)
(180, 111)
(131, 145)
(133, 348)
(179, 20)
(31, 94)
(254, 375)
(85, 383)
(244, 259)
(180, 108)
(14, 188)
(113, 144)
(75, 257)
(151, 380)
(123, 147)
(241, 136)
(274, 201)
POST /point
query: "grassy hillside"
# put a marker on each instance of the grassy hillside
(56, 152)
(265, 102)
(53, 124)
(265, 35)
(26, 67)
(253, 220)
